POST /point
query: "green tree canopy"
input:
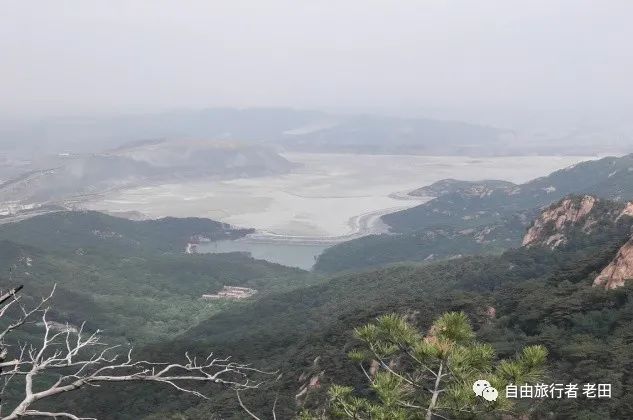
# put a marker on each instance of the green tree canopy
(415, 376)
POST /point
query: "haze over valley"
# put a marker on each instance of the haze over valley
(300, 210)
(323, 200)
(311, 200)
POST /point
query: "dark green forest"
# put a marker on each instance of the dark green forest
(134, 281)
(131, 279)
(539, 296)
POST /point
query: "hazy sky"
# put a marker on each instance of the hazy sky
(469, 57)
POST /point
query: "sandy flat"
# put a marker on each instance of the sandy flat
(329, 196)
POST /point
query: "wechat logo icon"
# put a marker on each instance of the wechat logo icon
(482, 388)
(479, 386)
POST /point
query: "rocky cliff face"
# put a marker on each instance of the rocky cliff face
(549, 229)
(619, 270)
(575, 220)
(627, 211)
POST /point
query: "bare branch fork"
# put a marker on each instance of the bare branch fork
(69, 354)
(249, 412)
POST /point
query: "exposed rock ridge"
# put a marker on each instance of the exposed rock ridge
(549, 228)
(619, 270)
(627, 211)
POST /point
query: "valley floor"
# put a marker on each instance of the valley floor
(328, 198)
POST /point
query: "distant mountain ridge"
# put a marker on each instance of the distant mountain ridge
(291, 129)
(462, 210)
(610, 178)
(68, 176)
(390, 135)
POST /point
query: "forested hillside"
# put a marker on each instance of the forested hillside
(423, 246)
(610, 178)
(302, 327)
(131, 279)
(317, 210)
(535, 295)
(96, 233)
(471, 218)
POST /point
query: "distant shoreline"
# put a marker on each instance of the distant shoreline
(328, 199)
(361, 225)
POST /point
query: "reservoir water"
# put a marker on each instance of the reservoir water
(292, 254)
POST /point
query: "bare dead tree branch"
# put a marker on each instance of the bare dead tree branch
(249, 412)
(79, 359)
(25, 314)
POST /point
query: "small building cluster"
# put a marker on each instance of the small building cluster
(231, 292)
